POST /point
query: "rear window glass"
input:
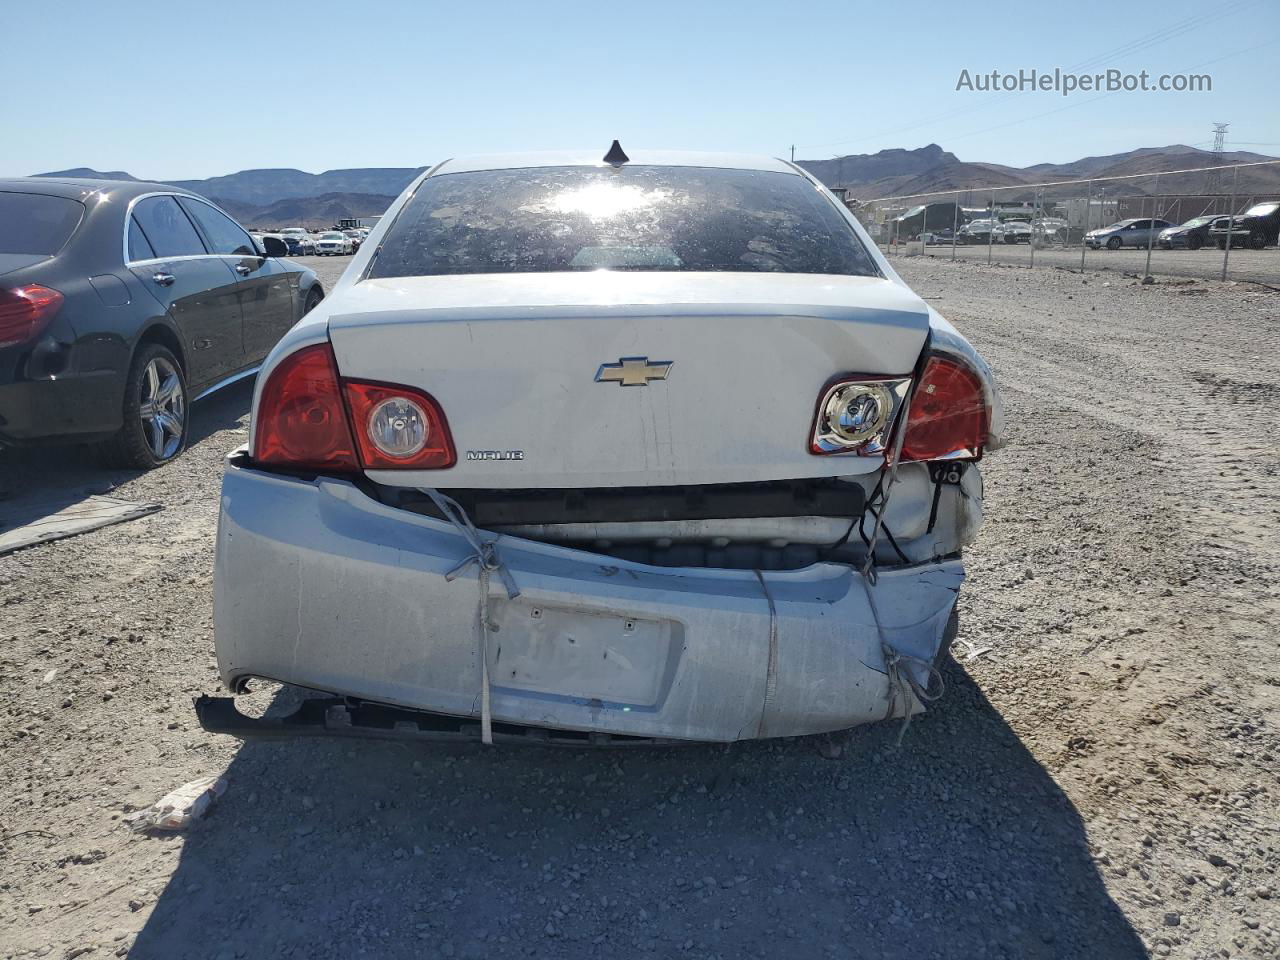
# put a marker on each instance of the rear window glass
(35, 224)
(558, 219)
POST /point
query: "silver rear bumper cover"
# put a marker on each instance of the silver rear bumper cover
(321, 586)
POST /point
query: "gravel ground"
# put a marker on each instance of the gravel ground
(1101, 783)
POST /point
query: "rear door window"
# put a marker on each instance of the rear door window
(560, 219)
(37, 224)
(139, 248)
(224, 234)
(167, 228)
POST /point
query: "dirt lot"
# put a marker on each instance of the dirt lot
(1102, 782)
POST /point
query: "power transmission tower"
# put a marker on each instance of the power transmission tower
(1214, 185)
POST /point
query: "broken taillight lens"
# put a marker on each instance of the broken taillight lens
(949, 417)
(856, 414)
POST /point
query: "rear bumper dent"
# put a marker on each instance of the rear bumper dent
(320, 586)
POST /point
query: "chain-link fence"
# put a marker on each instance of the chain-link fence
(1208, 223)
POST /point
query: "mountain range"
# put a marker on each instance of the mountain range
(282, 197)
(932, 169)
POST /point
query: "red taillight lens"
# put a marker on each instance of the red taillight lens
(398, 428)
(302, 423)
(25, 311)
(949, 413)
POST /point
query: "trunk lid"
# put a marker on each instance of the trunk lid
(13, 262)
(513, 359)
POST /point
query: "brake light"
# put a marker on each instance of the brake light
(949, 414)
(301, 421)
(398, 428)
(306, 415)
(25, 312)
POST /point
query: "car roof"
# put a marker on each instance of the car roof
(76, 188)
(594, 158)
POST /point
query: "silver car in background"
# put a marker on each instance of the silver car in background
(1127, 233)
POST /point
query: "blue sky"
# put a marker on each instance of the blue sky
(184, 90)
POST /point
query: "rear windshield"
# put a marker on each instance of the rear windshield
(559, 219)
(32, 223)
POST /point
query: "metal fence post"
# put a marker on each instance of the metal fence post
(955, 227)
(1231, 220)
(1088, 218)
(991, 227)
(1035, 215)
(1151, 230)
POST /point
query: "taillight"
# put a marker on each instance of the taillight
(398, 428)
(25, 311)
(949, 414)
(301, 421)
(856, 414)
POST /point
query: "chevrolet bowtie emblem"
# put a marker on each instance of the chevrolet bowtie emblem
(633, 371)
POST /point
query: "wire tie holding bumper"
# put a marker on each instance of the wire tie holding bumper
(896, 664)
(485, 556)
(902, 684)
(890, 470)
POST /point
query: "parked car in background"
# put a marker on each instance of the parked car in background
(1126, 233)
(301, 243)
(356, 237)
(1255, 228)
(1047, 230)
(1013, 231)
(121, 303)
(642, 570)
(332, 244)
(1192, 235)
(976, 231)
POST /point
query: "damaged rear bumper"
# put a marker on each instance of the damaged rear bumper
(321, 586)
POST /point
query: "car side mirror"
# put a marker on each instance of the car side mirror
(275, 247)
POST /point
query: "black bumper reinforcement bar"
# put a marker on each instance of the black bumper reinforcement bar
(341, 717)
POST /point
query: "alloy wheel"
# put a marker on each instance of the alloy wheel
(162, 408)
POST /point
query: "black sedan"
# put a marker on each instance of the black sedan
(1193, 234)
(121, 303)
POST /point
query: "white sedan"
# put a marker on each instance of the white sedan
(604, 451)
(333, 244)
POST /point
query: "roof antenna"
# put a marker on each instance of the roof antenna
(616, 156)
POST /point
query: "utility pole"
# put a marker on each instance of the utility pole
(1214, 185)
